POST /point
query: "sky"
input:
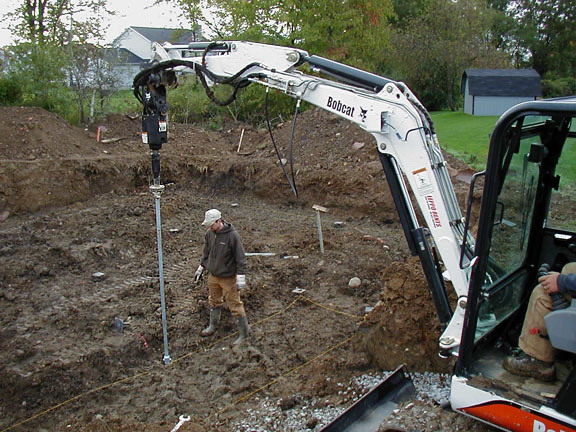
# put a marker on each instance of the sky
(128, 13)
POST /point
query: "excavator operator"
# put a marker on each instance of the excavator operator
(536, 358)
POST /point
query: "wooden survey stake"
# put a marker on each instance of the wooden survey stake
(319, 209)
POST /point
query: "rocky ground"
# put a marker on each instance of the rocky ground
(81, 333)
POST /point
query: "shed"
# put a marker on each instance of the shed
(493, 91)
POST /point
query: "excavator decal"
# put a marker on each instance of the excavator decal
(422, 181)
(513, 417)
(437, 223)
(338, 106)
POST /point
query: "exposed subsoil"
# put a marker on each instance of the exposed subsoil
(81, 338)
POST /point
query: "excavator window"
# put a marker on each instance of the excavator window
(558, 217)
(558, 244)
(521, 193)
(525, 229)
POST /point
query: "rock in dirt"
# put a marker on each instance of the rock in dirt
(355, 282)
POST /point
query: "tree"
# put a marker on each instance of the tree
(58, 22)
(89, 75)
(433, 49)
(54, 54)
(407, 10)
(10, 91)
(546, 31)
(355, 32)
(352, 31)
(39, 72)
(503, 25)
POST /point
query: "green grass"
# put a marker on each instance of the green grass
(567, 169)
(123, 101)
(465, 136)
(468, 137)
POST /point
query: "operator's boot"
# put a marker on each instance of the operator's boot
(526, 365)
(214, 320)
(243, 330)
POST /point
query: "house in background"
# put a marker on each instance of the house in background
(124, 64)
(132, 50)
(490, 92)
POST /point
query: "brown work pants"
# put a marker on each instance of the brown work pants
(225, 289)
(539, 305)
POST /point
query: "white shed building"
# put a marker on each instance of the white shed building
(490, 92)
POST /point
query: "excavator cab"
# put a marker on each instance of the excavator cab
(526, 220)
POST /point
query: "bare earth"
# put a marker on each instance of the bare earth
(72, 207)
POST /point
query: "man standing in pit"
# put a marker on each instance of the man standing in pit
(225, 260)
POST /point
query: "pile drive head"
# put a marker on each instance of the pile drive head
(155, 107)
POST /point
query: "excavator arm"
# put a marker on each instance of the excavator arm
(405, 139)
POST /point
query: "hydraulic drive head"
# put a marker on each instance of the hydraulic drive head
(154, 119)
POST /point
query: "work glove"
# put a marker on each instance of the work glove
(241, 282)
(198, 273)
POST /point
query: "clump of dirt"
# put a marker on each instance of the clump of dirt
(402, 328)
(78, 256)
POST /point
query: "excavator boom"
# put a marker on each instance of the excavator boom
(403, 130)
(492, 276)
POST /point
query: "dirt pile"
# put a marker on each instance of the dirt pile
(47, 162)
(78, 254)
(402, 322)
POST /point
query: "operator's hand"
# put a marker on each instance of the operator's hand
(198, 273)
(549, 282)
(241, 282)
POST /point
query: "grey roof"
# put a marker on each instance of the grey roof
(502, 82)
(122, 55)
(174, 36)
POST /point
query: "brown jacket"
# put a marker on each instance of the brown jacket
(223, 254)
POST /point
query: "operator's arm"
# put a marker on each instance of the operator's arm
(556, 282)
(567, 284)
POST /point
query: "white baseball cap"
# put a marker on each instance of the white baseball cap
(211, 216)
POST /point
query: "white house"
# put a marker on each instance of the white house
(493, 91)
(132, 50)
(124, 64)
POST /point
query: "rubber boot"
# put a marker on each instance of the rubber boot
(243, 330)
(214, 320)
(526, 365)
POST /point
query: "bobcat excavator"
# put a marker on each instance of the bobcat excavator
(521, 226)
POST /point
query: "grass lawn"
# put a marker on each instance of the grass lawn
(123, 101)
(464, 135)
(468, 137)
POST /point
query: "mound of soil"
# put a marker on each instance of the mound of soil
(81, 330)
